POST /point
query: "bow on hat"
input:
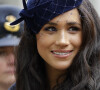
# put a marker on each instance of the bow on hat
(38, 12)
(28, 14)
(25, 15)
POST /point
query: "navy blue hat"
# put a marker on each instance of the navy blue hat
(9, 35)
(38, 12)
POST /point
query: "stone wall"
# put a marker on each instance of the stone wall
(96, 4)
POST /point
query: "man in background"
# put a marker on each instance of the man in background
(9, 38)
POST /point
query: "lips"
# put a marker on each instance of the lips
(62, 53)
(11, 70)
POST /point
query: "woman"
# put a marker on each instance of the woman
(60, 47)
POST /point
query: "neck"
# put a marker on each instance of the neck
(53, 75)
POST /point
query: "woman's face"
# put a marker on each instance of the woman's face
(59, 40)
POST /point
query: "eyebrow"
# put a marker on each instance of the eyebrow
(52, 23)
(73, 23)
(67, 23)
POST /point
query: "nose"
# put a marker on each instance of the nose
(62, 39)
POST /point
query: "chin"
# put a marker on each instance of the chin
(11, 80)
(62, 67)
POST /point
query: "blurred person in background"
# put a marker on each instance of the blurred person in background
(9, 38)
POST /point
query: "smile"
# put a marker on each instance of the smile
(62, 53)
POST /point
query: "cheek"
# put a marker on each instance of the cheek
(2, 65)
(42, 43)
(44, 40)
(76, 40)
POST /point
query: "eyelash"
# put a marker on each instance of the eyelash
(3, 53)
(73, 29)
(70, 29)
(50, 29)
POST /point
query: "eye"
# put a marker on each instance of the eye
(73, 29)
(50, 28)
(3, 53)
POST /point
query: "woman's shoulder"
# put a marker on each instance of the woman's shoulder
(13, 87)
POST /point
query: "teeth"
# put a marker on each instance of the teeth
(61, 53)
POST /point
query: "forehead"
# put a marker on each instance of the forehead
(70, 16)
